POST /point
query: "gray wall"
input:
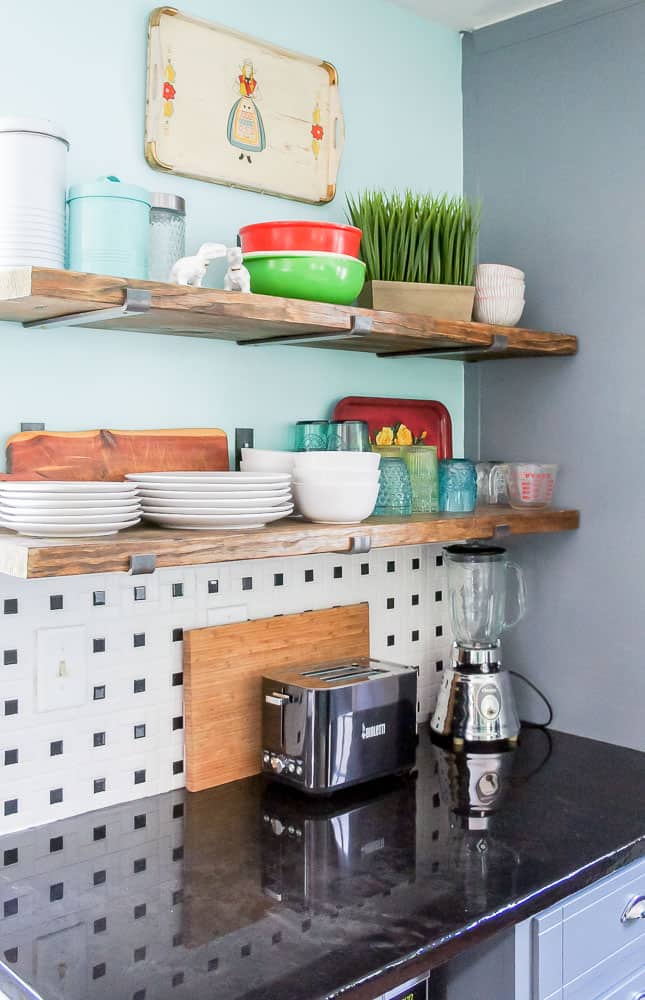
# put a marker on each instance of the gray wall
(555, 147)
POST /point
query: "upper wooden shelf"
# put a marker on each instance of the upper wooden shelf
(34, 295)
(31, 558)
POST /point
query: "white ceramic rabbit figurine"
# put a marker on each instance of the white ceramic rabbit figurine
(237, 278)
(191, 270)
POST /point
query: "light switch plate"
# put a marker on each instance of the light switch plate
(61, 668)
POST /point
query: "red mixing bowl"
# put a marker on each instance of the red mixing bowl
(327, 237)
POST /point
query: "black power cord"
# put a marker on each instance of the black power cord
(549, 707)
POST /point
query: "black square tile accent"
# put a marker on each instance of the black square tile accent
(177, 679)
(11, 706)
(177, 978)
(365, 569)
(139, 866)
(177, 853)
(438, 631)
(10, 907)
(99, 785)
(99, 832)
(99, 877)
(98, 740)
(247, 583)
(177, 635)
(338, 572)
(140, 821)
(177, 590)
(213, 586)
(11, 807)
(416, 563)
(55, 844)
(306, 925)
(10, 856)
(11, 955)
(309, 576)
(177, 767)
(390, 640)
(389, 604)
(11, 606)
(140, 910)
(414, 600)
(245, 950)
(55, 796)
(99, 692)
(436, 801)
(139, 685)
(177, 897)
(435, 835)
(98, 645)
(276, 938)
(98, 971)
(56, 892)
(10, 657)
(139, 954)
(11, 757)
(140, 776)
(139, 995)
(438, 596)
(438, 666)
(178, 722)
(212, 964)
(56, 602)
(55, 748)
(100, 925)
(140, 731)
(435, 867)
(391, 566)
(140, 593)
(139, 639)
(98, 598)
(278, 579)
(177, 940)
(178, 810)
(438, 560)
(415, 635)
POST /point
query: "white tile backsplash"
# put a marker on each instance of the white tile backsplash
(133, 664)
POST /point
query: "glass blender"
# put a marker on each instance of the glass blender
(476, 702)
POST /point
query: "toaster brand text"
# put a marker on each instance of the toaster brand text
(367, 732)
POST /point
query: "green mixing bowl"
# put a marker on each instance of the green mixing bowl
(322, 277)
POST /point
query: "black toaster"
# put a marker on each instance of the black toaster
(338, 724)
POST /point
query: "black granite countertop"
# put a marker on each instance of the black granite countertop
(249, 892)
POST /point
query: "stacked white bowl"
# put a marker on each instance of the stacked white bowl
(499, 294)
(336, 487)
(263, 461)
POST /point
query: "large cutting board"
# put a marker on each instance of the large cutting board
(108, 455)
(223, 667)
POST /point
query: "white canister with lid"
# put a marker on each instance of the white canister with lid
(33, 181)
(167, 234)
(108, 228)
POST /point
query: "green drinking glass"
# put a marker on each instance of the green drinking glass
(311, 435)
(423, 469)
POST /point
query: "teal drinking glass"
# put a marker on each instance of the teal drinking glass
(311, 435)
(348, 435)
(457, 485)
(395, 492)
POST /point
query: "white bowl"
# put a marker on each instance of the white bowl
(498, 311)
(507, 287)
(263, 460)
(335, 503)
(336, 460)
(363, 477)
(498, 271)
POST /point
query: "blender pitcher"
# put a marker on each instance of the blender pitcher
(478, 578)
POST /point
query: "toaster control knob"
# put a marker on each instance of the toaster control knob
(266, 758)
(291, 767)
(299, 771)
(277, 764)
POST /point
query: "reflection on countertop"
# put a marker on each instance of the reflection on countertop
(251, 892)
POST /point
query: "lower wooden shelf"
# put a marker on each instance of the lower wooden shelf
(35, 558)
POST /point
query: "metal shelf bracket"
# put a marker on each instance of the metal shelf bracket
(360, 326)
(498, 346)
(142, 565)
(359, 545)
(136, 301)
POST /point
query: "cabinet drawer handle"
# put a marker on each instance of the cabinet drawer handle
(635, 910)
(639, 996)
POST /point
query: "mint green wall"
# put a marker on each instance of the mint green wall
(83, 64)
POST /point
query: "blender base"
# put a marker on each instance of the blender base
(475, 707)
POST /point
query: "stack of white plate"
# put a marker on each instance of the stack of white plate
(208, 500)
(68, 509)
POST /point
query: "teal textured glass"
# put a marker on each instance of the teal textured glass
(395, 492)
(457, 485)
(311, 435)
(348, 435)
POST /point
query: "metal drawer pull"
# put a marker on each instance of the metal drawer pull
(639, 996)
(276, 699)
(635, 910)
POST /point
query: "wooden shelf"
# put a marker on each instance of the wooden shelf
(32, 558)
(34, 295)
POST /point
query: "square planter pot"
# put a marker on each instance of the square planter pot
(454, 302)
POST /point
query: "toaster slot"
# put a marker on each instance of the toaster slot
(329, 671)
(353, 675)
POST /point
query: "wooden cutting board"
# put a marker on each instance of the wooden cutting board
(223, 667)
(108, 455)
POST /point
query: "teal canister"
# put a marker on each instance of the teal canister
(108, 228)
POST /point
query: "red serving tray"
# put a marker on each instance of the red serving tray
(417, 414)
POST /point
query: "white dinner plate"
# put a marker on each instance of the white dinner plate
(70, 501)
(232, 504)
(217, 494)
(215, 521)
(66, 530)
(43, 511)
(232, 511)
(69, 486)
(180, 479)
(80, 519)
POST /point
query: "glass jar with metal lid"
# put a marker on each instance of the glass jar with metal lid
(167, 234)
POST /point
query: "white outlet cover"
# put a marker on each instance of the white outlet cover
(228, 615)
(61, 668)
